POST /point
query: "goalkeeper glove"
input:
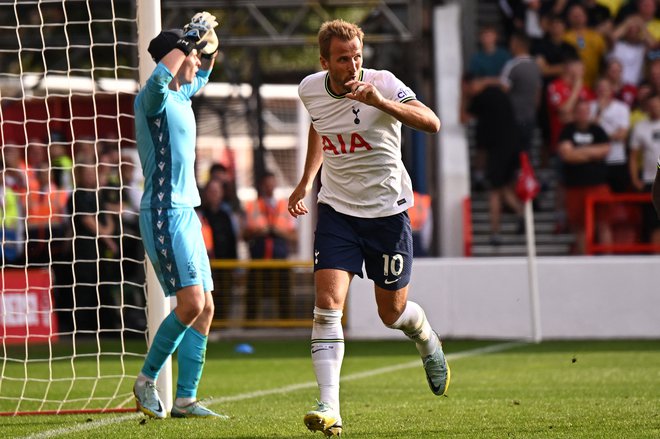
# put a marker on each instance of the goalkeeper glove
(190, 40)
(205, 22)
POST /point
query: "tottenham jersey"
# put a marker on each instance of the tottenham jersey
(362, 173)
(166, 133)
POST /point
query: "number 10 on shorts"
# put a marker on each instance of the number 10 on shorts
(393, 264)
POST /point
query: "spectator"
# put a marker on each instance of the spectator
(490, 58)
(643, 11)
(46, 210)
(521, 78)
(653, 75)
(529, 18)
(583, 148)
(639, 111)
(629, 47)
(496, 136)
(563, 93)
(93, 239)
(485, 68)
(550, 52)
(16, 172)
(645, 150)
(527, 15)
(614, 117)
(224, 244)
(598, 16)
(130, 211)
(84, 151)
(61, 164)
(230, 201)
(269, 231)
(421, 223)
(11, 241)
(36, 154)
(624, 92)
(590, 44)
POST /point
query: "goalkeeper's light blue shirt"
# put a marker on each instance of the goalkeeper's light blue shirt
(166, 133)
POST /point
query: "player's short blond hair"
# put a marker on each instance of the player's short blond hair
(339, 28)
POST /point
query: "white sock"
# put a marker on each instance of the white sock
(413, 323)
(328, 353)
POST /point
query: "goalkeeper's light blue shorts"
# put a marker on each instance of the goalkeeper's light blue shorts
(174, 243)
(383, 245)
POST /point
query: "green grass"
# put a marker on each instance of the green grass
(594, 389)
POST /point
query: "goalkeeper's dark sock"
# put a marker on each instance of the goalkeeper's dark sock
(190, 356)
(169, 335)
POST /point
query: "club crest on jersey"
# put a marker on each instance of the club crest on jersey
(355, 112)
(357, 141)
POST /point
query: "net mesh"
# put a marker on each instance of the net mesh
(72, 307)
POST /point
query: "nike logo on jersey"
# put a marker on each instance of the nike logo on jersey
(315, 120)
(389, 282)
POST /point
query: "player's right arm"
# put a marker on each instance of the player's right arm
(313, 163)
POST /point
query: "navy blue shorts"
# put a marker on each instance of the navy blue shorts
(383, 245)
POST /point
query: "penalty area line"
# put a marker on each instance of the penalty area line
(64, 431)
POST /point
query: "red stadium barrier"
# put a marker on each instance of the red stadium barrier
(26, 311)
(467, 226)
(632, 246)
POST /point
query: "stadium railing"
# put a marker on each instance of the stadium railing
(263, 293)
(624, 208)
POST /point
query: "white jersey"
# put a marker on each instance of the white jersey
(613, 118)
(362, 173)
(646, 138)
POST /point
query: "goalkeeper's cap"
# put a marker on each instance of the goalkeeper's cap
(166, 41)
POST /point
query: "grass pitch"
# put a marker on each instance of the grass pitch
(551, 390)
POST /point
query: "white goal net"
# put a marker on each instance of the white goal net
(72, 301)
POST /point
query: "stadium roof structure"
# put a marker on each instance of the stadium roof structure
(398, 20)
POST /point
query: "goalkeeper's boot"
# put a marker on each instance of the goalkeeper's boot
(324, 419)
(194, 410)
(148, 401)
(437, 371)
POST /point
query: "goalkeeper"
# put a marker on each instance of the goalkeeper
(171, 232)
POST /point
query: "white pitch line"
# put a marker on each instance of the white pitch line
(277, 391)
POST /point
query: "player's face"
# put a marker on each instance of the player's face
(344, 63)
(189, 68)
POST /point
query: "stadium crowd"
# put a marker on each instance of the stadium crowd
(74, 206)
(585, 74)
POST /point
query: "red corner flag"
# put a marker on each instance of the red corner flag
(527, 186)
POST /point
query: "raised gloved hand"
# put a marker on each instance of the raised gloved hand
(204, 23)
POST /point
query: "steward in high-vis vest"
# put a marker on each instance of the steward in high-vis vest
(269, 229)
(421, 224)
(11, 226)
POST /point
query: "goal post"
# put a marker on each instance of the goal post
(73, 286)
(149, 20)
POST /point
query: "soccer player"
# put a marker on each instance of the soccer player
(355, 133)
(170, 228)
